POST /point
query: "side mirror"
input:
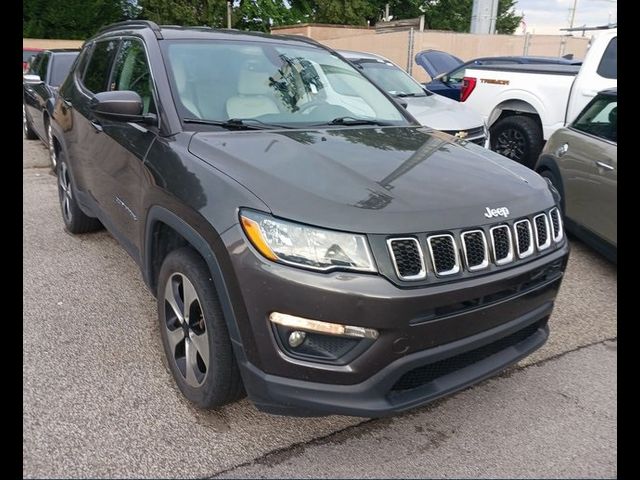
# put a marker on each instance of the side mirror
(124, 106)
(31, 79)
(445, 79)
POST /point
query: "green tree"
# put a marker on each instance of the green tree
(73, 19)
(455, 15)
(344, 12)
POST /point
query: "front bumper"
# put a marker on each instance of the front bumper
(480, 325)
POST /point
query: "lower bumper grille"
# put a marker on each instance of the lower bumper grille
(422, 375)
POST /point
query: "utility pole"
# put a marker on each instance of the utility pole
(228, 13)
(573, 13)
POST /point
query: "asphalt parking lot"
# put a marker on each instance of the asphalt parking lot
(98, 401)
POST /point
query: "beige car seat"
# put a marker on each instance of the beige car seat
(255, 96)
(185, 90)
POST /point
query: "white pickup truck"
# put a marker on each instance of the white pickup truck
(524, 104)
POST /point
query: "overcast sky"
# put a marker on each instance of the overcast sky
(547, 16)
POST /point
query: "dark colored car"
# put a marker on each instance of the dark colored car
(447, 71)
(27, 54)
(39, 89)
(581, 161)
(321, 261)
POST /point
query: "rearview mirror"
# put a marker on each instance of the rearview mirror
(124, 105)
(31, 79)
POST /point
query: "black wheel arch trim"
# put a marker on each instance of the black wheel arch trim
(546, 162)
(214, 255)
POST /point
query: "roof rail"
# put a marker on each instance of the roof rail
(585, 28)
(134, 23)
(302, 38)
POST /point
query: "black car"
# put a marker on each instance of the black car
(308, 242)
(446, 70)
(47, 70)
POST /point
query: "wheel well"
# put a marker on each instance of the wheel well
(164, 240)
(514, 107)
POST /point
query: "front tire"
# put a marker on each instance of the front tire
(75, 221)
(53, 157)
(194, 332)
(29, 133)
(518, 137)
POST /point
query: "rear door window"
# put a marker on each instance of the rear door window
(608, 67)
(96, 77)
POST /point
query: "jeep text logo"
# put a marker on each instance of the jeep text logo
(497, 212)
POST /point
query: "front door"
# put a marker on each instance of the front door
(590, 168)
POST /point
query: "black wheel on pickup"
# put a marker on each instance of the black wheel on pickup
(194, 332)
(518, 137)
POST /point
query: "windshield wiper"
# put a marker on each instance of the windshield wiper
(354, 121)
(236, 123)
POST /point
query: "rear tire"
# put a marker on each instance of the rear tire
(518, 137)
(195, 336)
(29, 133)
(75, 221)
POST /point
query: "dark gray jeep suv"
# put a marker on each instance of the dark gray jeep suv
(308, 242)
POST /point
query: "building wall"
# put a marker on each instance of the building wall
(466, 46)
(50, 43)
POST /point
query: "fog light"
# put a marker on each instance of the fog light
(327, 328)
(296, 338)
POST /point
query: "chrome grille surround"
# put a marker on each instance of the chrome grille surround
(556, 235)
(456, 267)
(507, 258)
(547, 232)
(423, 271)
(485, 262)
(529, 250)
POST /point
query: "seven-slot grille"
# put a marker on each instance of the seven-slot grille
(504, 244)
(524, 238)
(407, 258)
(444, 254)
(541, 226)
(476, 253)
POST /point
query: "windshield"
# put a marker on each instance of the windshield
(271, 82)
(61, 66)
(391, 78)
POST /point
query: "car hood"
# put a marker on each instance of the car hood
(436, 62)
(442, 113)
(374, 180)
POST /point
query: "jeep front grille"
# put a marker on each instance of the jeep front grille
(556, 224)
(501, 244)
(407, 258)
(524, 238)
(444, 254)
(474, 246)
(541, 226)
(474, 250)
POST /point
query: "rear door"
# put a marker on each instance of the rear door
(36, 94)
(590, 168)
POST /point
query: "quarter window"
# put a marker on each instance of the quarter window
(96, 76)
(600, 118)
(608, 67)
(131, 72)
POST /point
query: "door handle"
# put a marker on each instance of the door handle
(96, 126)
(606, 166)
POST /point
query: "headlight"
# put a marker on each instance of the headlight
(305, 246)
